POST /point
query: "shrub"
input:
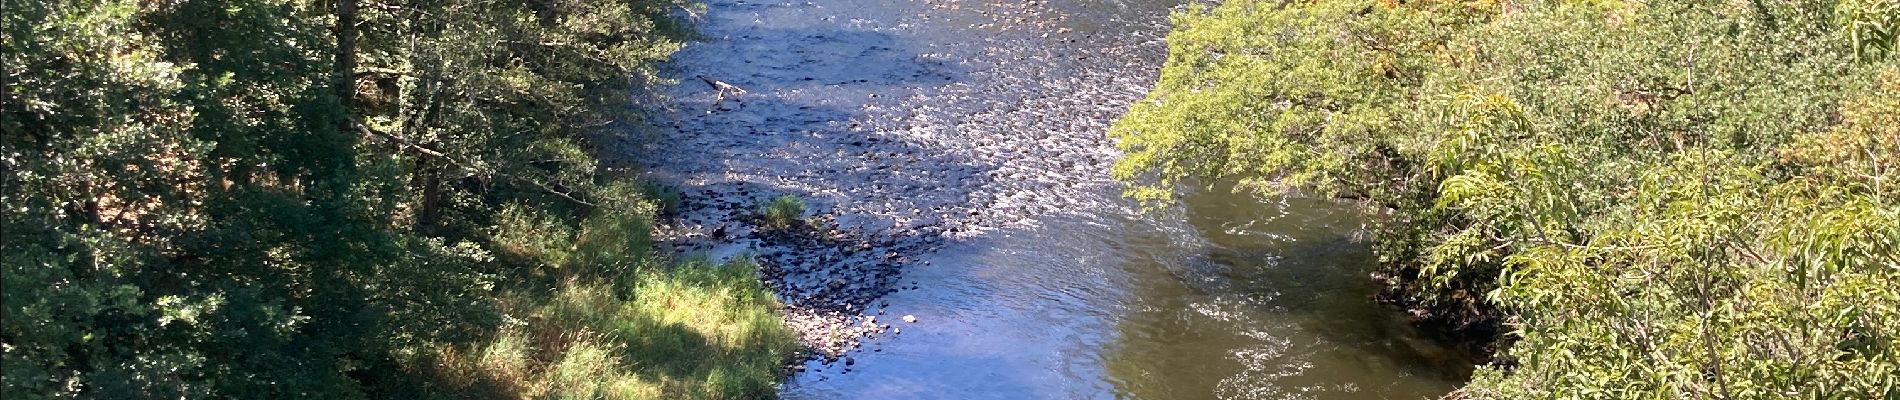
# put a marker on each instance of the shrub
(1664, 199)
(533, 234)
(666, 197)
(784, 211)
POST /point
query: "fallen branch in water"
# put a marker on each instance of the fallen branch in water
(724, 88)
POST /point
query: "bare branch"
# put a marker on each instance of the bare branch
(366, 131)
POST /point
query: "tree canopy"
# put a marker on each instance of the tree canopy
(1646, 199)
(347, 198)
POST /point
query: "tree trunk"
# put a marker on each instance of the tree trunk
(428, 171)
(346, 58)
(429, 178)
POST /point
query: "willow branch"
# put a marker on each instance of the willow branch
(366, 131)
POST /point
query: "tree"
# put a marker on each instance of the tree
(1635, 192)
(266, 199)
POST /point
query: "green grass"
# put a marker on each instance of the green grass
(782, 212)
(701, 331)
(594, 313)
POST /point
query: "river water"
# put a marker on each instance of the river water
(958, 145)
(1235, 299)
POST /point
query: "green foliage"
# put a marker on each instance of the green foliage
(1665, 200)
(534, 234)
(506, 92)
(1873, 26)
(784, 211)
(194, 209)
(666, 197)
(179, 204)
(700, 331)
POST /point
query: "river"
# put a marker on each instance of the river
(1244, 300)
(958, 147)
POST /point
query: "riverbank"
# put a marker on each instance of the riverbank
(1708, 224)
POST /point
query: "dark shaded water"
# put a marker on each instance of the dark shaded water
(1242, 300)
(975, 128)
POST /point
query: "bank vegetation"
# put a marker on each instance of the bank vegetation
(1612, 199)
(350, 199)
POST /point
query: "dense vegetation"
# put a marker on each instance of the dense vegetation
(1682, 199)
(347, 199)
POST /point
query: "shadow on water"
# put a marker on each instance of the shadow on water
(1230, 299)
(1272, 302)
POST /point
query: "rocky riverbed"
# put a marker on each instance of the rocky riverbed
(904, 126)
(963, 238)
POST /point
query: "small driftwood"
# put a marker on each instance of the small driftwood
(725, 90)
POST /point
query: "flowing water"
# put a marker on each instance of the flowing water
(1235, 299)
(960, 144)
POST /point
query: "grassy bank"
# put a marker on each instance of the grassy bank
(349, 199)
(1616, 199)
(594, 312)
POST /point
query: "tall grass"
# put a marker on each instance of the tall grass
(601, 316)
(783, 211)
